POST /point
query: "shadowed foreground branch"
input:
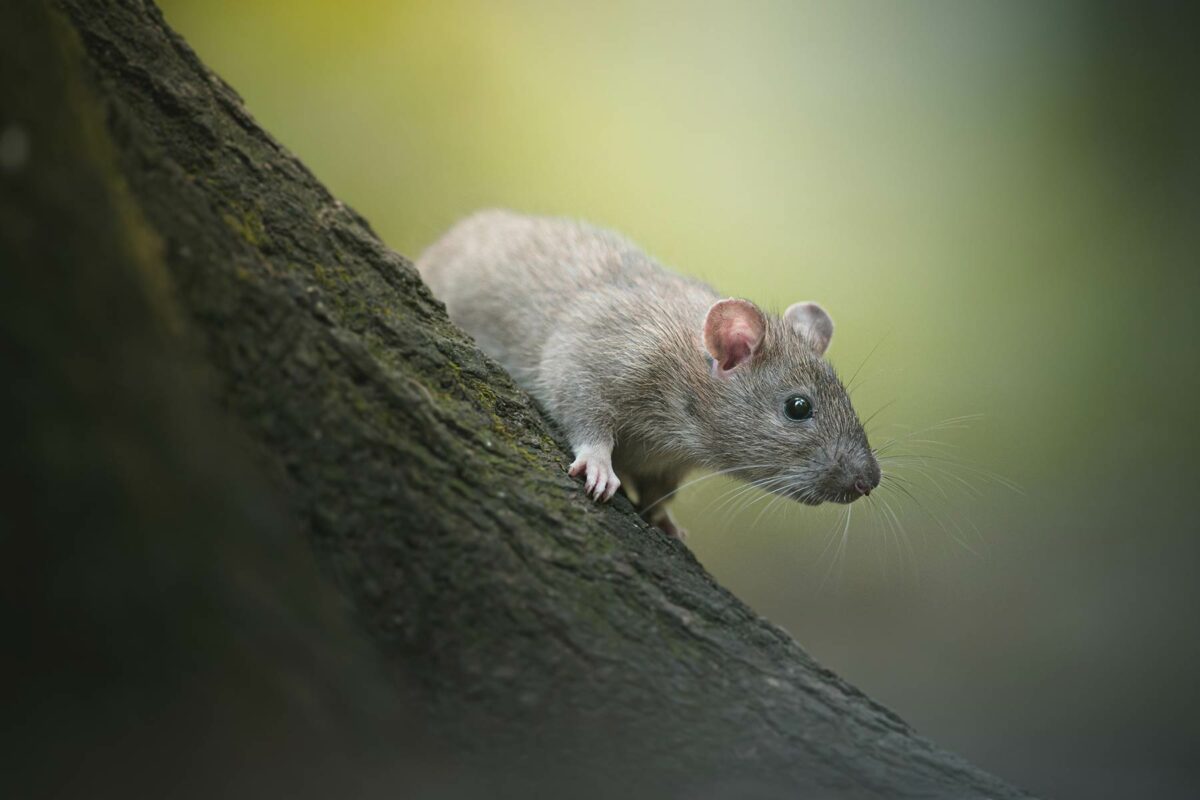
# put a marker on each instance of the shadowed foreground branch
(283, 525)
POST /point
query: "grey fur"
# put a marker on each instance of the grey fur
(612, 344)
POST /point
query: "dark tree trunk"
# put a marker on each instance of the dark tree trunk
(217, 371)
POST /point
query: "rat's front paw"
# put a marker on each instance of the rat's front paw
(596, 463)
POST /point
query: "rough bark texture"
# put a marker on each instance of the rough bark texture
(155, 227)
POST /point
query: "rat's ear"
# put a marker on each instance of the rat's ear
(733, 330)
(810, 321)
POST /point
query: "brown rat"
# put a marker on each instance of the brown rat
(652, 374)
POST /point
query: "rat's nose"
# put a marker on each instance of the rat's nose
(867, 479)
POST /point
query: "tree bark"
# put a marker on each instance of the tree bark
(248, 377)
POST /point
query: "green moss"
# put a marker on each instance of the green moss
(88, 131)
(249, 226)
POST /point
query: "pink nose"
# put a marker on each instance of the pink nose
(862, 487)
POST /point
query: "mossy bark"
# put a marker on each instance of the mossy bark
(222, 296)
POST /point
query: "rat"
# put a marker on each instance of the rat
(652, 374)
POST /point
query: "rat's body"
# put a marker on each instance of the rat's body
(651, 374)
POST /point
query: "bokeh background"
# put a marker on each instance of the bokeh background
(998, 203)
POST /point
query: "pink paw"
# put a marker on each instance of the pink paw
(668, 526)
(601, 483)
(663, 520)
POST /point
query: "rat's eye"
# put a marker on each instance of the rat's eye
(797, 407)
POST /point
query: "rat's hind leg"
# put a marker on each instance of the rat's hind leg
(595, 461)
(653, 491)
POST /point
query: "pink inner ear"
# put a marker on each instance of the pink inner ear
(732, 330)
(737, 345)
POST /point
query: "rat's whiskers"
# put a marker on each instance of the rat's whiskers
(839, 552)
(702, 478)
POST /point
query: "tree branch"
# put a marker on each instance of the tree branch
(541, 632)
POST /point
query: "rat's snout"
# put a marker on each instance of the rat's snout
(851, 473)
(860, 479)
(868, 478)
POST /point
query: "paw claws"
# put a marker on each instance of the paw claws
(600, 483)
(614, 483)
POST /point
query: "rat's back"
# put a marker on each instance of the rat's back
(510, 280)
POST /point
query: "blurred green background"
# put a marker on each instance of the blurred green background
(998, 203)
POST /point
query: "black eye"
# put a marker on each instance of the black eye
(797, 407)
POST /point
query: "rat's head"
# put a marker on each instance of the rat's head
(774, 408)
